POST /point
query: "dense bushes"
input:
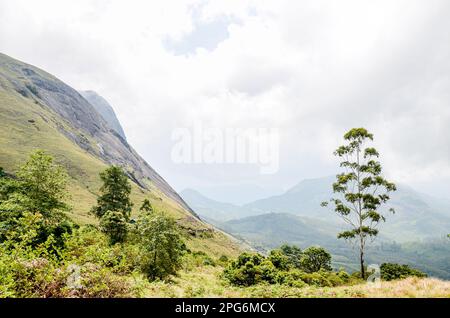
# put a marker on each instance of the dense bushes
(391, 271)
(288, 266)
(43, 254)
(45, 270)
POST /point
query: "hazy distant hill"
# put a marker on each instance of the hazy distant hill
(417, 216)
(211, 209)
(105, 109)
(274, 229)
(239, 194)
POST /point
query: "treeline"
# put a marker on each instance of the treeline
(291, 266)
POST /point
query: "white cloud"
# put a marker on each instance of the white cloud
(311, 68)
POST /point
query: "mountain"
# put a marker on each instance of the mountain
(105, 110)
(211, 209)
(271, 230)
(238, 194)
(38, 111)
(302, 199)
(417, 216)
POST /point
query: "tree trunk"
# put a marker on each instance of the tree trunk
(361, 254)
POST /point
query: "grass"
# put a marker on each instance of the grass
(204, 281)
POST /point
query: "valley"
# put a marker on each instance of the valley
(42, 118)
(415, 234)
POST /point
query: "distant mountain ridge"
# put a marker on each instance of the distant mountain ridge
(210, 208)
(417, 216)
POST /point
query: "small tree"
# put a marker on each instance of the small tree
(39, 189)
(115, 193)
(43, 185)
(146, 206)
(362, 188)
(114, 225)
(314, 259)
(162, 245)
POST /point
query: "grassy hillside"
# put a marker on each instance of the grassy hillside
(28, 123)
(205, 282)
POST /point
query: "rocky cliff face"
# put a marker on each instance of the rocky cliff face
(105, 110)
(82, 123)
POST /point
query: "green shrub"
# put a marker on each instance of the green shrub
(162, 246)
(293, 253)
(267, 272)
(279, 259)
(223, 259)
(245, 270)
(208, 261)
(114, 225)
(390, 271)
(291, 278)
(314, 259)
(97, 282)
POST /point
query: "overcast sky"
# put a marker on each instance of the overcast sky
(312, 69)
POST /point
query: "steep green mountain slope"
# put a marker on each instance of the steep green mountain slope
(39, 111)
(105, 110)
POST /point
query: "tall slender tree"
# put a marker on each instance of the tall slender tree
(361, 190)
